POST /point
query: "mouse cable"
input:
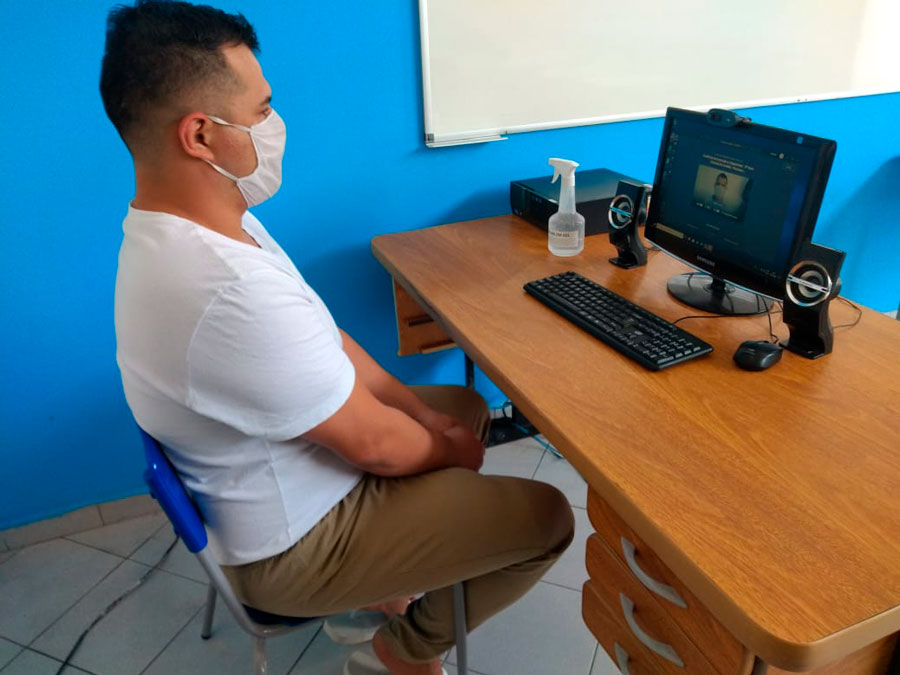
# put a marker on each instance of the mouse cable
(113, 604)
(708, 316)
(772, 337)
(859, 314)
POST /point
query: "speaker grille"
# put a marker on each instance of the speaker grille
(808, 284)
(621, 212)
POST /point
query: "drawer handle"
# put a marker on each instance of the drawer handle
(622, 659)
(652, 584)
(664, 650)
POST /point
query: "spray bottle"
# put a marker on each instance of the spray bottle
(565, 230)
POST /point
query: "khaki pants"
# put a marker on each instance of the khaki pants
(398, 537)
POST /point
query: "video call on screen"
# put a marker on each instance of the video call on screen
(734, 199)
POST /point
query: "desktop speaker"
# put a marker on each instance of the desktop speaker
(627, 210)
(812, 282)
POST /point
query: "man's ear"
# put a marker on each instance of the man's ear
(195, 131)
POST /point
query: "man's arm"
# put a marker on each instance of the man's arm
(384, 440)
(390, 391)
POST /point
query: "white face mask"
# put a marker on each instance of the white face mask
(268, 139)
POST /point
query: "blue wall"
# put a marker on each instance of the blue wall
(346, 79)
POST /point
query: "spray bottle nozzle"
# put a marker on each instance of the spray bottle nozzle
(564, 167)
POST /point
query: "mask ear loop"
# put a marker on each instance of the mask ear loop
(222, 171)
(219, 120)
(228, 174)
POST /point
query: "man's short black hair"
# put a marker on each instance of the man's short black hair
(722, 175)
(157, 50)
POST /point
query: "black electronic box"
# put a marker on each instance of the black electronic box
(536, 199)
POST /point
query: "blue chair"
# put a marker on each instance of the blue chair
(166, 488)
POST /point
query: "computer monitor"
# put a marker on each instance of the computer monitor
(736, 200)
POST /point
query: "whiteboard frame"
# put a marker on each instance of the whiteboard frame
(434, 140)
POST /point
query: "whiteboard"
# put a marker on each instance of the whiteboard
(494, 67)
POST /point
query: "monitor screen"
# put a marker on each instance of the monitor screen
(736, 201)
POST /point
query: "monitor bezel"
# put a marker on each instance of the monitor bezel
(730, 271)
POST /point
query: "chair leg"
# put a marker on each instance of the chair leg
(210, 610)
(459, 623)
(260, 667)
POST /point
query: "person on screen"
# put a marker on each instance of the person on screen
(718, 195)
(326, 484)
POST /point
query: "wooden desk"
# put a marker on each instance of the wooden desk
(770, 500)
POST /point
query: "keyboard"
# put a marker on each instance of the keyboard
(626, 327)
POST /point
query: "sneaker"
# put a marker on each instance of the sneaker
(353, 628)
(364, 662)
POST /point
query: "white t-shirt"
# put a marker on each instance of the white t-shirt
(227, 357)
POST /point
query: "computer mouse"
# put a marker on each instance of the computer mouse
(757, 354)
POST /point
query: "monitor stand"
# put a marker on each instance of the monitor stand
(712, 294)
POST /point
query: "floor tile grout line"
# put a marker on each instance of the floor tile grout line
(165, 522)
(175, 574)
(540, 461)
(150, 536)
(305, 649)
(96, 548)
(100, 515)
(18, 654)
(155, 532)
(169, 571)
(174, 637)
(80, 598)
(59, 660)
(558, 585)
(15, 656)
(593, 659)
(120, 520)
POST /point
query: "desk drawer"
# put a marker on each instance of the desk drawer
(615, 638)
(417, 332)
(640, 614)
(725, 653)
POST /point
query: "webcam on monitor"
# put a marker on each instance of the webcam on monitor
(725, 118)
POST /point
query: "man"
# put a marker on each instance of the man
(325, 483)
(718, 195)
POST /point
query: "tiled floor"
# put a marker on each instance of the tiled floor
(50, 593)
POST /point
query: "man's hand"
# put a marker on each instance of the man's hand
(468, 449)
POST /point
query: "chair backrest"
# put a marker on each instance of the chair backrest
(166, 488)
